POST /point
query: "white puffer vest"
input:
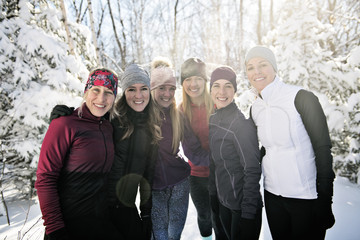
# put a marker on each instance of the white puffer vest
(289, 164)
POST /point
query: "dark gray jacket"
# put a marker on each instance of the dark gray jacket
(235, 155)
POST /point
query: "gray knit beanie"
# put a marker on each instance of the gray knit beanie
(134, 74)
(193, 67)
(263, 52)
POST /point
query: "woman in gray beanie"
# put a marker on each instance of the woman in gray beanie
(136, 136)
(297, 165)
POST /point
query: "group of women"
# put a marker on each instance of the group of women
(95, 160)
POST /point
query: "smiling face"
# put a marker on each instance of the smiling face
(260, 73)
(194, 87)
(137, 96)
(164, 95)
(99, 100)
(222, 93)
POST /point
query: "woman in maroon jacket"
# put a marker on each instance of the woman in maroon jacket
(75, 159)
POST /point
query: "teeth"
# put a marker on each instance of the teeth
(139, 102)
(194, 90)
(259, 79)
(222, 99)
(165, 99)
(100, 106)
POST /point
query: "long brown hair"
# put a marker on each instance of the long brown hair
(153, 123)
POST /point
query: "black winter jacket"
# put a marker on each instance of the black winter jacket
(133, 164)
(235, 156)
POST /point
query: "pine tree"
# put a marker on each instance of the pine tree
(37, 72)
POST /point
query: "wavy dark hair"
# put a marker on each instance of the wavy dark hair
(154, 121)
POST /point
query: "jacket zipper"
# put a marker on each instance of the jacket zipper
(100, 123)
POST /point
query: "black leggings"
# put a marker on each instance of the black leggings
(200, 196)
(291, 218)
(232, 224)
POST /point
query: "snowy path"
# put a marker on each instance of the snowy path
(346, 209)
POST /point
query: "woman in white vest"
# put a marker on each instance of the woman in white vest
(297, 161)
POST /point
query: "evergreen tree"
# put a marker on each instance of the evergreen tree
(37, 72)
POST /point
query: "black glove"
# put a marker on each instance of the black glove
(59, 234)
(60, 110)
(248, 229)
(146, 227)
(323, 212)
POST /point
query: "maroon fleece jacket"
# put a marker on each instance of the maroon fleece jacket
(76, 155)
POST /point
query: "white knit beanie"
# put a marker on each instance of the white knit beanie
(162, 73)
(263, 52)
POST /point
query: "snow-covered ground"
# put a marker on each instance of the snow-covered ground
(346, 208)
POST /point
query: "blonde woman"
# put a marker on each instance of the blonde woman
(170, 195)
(75, 160)
(197, 107)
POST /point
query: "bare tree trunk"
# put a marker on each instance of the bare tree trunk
(70, 43)
(272, 15)
(122, 53)
(1, 192)
(123, 31)
(332, 5)
(93, 31)
(174, 48)
(140, 45)
(101, 19)
(258, 30)
(241, 29)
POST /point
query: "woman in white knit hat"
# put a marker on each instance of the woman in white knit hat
(297, 165)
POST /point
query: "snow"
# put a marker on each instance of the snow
(346, 209)
(43, 74)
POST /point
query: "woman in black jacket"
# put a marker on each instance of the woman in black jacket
(234, 168)
(136, 133)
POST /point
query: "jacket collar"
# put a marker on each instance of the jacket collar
(228, 109)
(269, 90)
(86, 114)
(137, 116)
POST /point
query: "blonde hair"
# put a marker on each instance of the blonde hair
(177, 123)
(153, 124)
(186, 103)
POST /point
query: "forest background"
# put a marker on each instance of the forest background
(47, 48)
